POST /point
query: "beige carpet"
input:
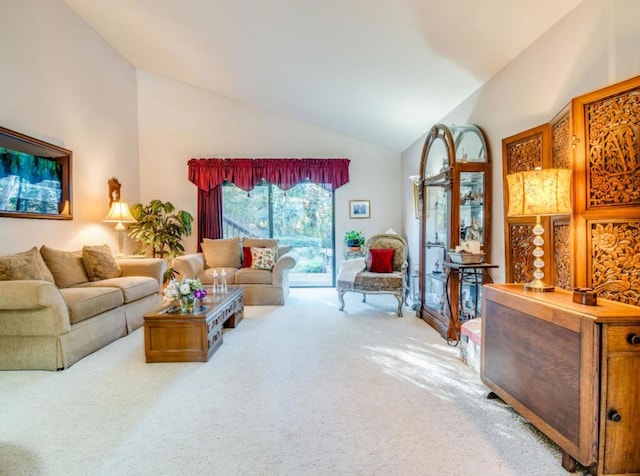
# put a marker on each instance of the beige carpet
(302, 389)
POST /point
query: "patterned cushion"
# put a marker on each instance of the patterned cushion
(263, 258)
(66, 266)
(99, 262)
(24, 265)
(221, 253)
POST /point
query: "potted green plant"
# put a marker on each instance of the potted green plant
(354, 239)
(160, 227)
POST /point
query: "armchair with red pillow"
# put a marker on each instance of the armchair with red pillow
(385, 270)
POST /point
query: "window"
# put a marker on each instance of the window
(301, 217)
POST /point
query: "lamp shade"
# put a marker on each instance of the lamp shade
(539, 192)
(119, 213)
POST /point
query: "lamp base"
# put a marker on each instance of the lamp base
(539, 286)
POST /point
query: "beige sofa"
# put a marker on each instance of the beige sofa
(265, 281)
(56, 306)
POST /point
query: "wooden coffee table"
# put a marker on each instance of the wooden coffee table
(170, 336)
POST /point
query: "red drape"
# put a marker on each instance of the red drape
(209, 214)
(209, 174)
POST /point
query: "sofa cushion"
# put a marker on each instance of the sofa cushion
(246, 257)
(24, 265)
(263, 258)
(99, 262)
(86, 302)
(259, 242)
(132, 287)
(253, 276)
(221, 253)
(65, 266)
(381, 260)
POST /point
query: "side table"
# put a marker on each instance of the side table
(475, 274)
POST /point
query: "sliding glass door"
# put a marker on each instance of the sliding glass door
(301, 217)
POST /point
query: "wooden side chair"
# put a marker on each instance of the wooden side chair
(383, 270)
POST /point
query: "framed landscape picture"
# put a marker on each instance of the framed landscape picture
(359, 209)
(35, 178)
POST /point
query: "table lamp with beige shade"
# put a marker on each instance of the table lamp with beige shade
(120, 214)
(539, 192)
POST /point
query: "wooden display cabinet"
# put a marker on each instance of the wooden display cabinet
(454, 206)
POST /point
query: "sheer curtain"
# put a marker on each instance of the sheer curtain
(209, 175)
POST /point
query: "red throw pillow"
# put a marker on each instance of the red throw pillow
(381, 260)
(246, 257)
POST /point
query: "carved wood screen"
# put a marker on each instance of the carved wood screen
(524, 151)
(607, 178)
(598, 137)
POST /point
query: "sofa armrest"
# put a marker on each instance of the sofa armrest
(32, 308)
(189, 266)
(151, 267)
(283, 265)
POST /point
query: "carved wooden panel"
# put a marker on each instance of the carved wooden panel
(524, 151)
(525, 154)
(613, 140)
(519, 253)
(615, 254)
(561, 247)
(561, 141)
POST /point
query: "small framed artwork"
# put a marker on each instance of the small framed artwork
(359, 209)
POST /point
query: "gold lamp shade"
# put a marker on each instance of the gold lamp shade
(535, 193)
(119, 213)
(539, 192)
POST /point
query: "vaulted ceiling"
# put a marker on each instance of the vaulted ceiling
(383, 71)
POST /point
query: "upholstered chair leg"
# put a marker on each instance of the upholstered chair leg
(341, 297)
(399, 298)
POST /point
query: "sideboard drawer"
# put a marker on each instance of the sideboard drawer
(623, 338)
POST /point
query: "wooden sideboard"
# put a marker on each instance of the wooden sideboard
(572, 370)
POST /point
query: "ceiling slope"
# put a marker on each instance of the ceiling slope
(382, 71)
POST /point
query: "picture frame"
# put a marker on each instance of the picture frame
(359, 209)
(35, 178)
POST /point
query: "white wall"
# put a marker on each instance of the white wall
(178, 122)
(61, 83)
(597, 44)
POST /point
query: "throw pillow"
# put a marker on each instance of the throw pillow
(27, 265)
(263, 258)
(221, 253)
(99, 263)
(246, 257)
(381, 260)
(66, 267)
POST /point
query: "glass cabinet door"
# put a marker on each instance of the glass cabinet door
(436, 215)
(471, 214)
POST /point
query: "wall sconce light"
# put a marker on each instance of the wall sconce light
(539, 192)
(120, 214)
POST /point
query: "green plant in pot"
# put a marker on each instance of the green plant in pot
(354, 239)
(161, 228)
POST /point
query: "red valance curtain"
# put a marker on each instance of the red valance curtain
(285, 173)
(209, 174)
